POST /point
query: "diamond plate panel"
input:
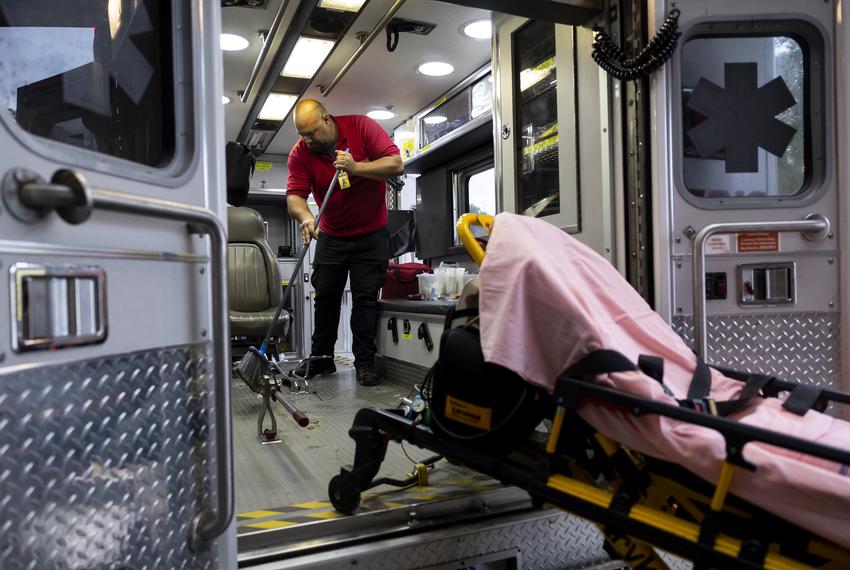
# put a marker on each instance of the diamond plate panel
(103, 463)
(554, 539)
(801, 347)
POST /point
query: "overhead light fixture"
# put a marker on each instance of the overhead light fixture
(232, 42)
(277, 106)
(113, 12)
(380, 114)
(477, 30)
(225, 99)
(435, 68)
(342, 5)
(307, 57)
(435, 120)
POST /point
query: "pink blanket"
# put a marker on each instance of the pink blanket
(547, 300)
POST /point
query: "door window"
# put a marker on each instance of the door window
(95, 75)
(750, 113)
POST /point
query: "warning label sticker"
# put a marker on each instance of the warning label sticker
(758, 242)
(718, 244)
(467, 413)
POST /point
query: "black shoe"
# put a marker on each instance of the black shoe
(312, 368)
(366, 376)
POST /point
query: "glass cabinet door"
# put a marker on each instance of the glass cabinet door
(536, 108)
(538, 152)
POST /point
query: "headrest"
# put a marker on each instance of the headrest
(244, 225)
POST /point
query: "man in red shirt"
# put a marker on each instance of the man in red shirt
(352, 235)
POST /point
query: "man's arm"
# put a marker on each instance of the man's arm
(298, 209)
(380, 169)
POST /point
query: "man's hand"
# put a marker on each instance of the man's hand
(308, 230)
(345, 162)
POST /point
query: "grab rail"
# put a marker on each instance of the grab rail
(264, 51)
(814, 227)
(326, 90)
(467, 238)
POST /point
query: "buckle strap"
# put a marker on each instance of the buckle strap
(803, 398)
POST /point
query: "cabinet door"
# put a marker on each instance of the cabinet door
(536, 121)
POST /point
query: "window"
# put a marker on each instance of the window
(475, 191)
(751, 115)
(96, 75)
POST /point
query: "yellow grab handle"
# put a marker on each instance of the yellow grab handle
(464, 232)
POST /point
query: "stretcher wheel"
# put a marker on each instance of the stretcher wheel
(342, 503)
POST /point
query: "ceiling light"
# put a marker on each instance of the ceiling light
(277, 107)
(307, 57)
(225, 99)
(232, 42)
(380, 115)
(342, 5)
(478, 30)
(435, 120)
(435, 68)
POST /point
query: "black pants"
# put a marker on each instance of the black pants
(365, 258)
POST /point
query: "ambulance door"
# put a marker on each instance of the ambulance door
(750, 236)
(114, 419)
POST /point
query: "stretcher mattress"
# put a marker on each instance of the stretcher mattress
(547, 300)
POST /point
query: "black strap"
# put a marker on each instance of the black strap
(455, 313)
(397, 272)
(802, 398)
(754, 384)
(700, 382)
(652, 366)
(600, 362)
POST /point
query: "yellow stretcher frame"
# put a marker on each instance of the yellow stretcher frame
(653, 508)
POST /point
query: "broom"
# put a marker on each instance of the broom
(251, 367)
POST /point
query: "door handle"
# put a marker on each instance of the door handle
(29, 199)
(814, 227)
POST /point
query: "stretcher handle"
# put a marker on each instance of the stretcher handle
(469, 241)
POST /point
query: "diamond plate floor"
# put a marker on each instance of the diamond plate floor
(287, 482)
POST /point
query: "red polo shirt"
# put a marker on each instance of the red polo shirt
(359, 209)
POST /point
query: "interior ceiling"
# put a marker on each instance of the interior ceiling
(378, 78)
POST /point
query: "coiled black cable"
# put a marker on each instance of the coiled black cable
(610, 57)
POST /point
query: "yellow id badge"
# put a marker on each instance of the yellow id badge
(343, 180)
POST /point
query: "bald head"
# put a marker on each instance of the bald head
(315, 126)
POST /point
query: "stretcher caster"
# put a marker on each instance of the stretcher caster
(345, 502)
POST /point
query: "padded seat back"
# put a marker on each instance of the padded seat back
(253, 279)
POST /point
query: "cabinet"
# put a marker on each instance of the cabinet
(536, 116)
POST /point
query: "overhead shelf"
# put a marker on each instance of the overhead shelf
(477, 132)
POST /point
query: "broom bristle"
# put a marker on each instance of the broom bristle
(250, 369)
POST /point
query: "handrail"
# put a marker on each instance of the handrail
(326, 90)
(464, 233)
(814, 227)
(270, 36)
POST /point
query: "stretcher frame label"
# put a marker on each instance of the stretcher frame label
(469, 414)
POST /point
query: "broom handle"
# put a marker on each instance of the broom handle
(286, 293)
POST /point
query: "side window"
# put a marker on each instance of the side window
(95, 75)
(752, 119)
(474, 191)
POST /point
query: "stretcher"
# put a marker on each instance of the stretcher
(727, 469)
